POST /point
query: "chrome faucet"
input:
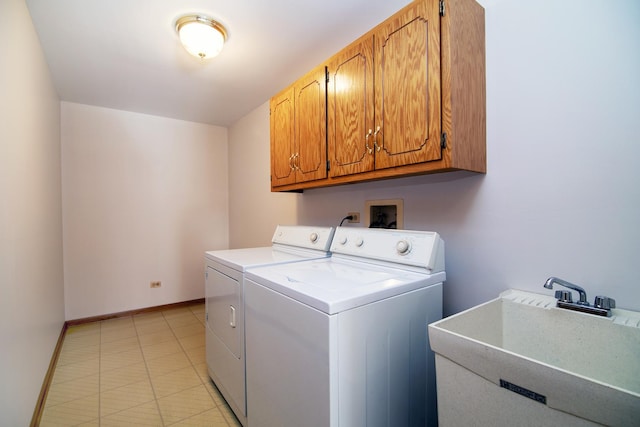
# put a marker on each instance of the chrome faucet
(583, 295)
(602, 305)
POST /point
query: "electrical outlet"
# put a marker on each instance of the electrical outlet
(355, 216)
(155, 284)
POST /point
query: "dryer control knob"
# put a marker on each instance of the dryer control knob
(343, 240)
(313, 237)
(403, 247)
(359, 242)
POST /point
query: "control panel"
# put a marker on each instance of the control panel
(416, 248)
(303, 236)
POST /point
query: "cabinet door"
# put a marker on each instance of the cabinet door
(350, 105)
(281, 109)
(310, 158)
(407, 64)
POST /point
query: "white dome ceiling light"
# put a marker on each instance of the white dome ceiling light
(201, 36)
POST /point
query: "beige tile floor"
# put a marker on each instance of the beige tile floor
(142, 370)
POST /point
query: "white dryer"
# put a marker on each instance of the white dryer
(224, 301)
(342, 341)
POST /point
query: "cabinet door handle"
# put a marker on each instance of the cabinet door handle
(232, 316)
(375, 139)
(291, 162)
(366, 141)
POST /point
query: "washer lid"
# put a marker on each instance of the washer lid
(332, 285)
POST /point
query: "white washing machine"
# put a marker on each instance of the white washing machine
(224, 285)
(342, 341)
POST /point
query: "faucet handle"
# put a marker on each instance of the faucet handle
(604, 302)
(564, 296)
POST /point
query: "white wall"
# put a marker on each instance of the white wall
(143, 198)
(255, 211)
(561, 196)
(31, 277)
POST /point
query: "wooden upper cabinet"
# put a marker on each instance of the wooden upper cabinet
(298, 131)
(311, 125)
(393, 120)
(282, 133)
(407, 101)
(406, 98)
(350, 115)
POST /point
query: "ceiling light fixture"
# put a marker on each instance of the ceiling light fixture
(201, 36)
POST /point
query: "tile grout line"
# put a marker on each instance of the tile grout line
(146, 367)
(103, 331)
(215, 404)
(148, 375)
(58, 383)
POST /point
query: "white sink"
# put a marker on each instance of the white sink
(576, 363)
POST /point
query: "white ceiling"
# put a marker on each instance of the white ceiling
(125, 54)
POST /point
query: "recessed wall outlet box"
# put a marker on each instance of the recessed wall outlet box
(155, 284)
(384, 213)
(355, 216)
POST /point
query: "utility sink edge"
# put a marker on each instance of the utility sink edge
(578, 363)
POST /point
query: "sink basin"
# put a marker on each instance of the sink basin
(566, 367)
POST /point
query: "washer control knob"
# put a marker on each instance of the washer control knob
(359, 242)
(403, 247)
(313, 237)
(343, 240)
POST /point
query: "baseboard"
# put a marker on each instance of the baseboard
(37, 413)
(133, 312)
(42, 398)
